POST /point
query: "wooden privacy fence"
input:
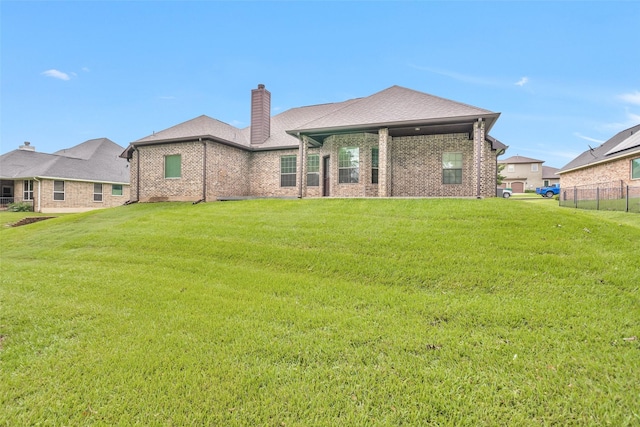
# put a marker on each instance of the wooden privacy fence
(610, 196)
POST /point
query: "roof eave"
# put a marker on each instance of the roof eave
(490, 118)
(636, 150)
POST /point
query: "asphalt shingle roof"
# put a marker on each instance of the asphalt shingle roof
(93, 160)
(520, 159)
(624, 142)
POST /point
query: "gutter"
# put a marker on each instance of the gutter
(204, 170)
(137, 173)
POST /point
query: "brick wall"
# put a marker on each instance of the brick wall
(264, 174)
(78, 196)
(616, 170)
(415, 171)
(228, 171)
(417, 166)
(155, 187)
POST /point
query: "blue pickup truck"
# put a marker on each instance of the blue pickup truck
(549, 191)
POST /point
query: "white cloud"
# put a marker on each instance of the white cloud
(631, 98)
(56, 74)
(523, 81)
(86, 69)
(588, 138)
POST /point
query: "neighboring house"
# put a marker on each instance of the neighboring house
(88, 176)
(615, 161)
(524, 173)
(397, 142)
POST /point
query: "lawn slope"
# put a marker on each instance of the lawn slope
(322, 312)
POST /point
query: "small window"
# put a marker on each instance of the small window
(511, 168)
(97, 192)
(375, 155)
(313, 170)
(349, 165)
(116, 190)
(288, 166)
(534, 167)
(58, 190)
(27, 193)
(545, 183)
(452, 168)
(635, 168)
(173, 166)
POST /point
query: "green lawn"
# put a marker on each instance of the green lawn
(322, 312)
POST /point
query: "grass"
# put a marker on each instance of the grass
(322, 312)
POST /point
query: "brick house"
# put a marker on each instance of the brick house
(397, 142)
(616, 161)
(88, 176)
(524, 173)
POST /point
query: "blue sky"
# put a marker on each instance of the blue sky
(564, 75)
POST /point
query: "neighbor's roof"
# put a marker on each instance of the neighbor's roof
(622, 144)
(549, 173)
(94, 160)
(395, 106)
(520, 159)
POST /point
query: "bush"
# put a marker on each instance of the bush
(19, 207)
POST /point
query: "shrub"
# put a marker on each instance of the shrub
(19, 207)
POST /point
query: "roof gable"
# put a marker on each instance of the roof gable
(202, 126)
(520, 159)
(393, 105)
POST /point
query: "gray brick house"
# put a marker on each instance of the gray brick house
(397, 142)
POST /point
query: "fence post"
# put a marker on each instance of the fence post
(575, 197)
(627, 197)
(597, 198)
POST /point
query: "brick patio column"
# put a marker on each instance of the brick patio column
(384, 170)
(302, 165)
(478, 155)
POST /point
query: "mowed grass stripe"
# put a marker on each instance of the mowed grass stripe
(322, 312)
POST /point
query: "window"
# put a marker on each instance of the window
(313, 170)
(452, 168)
(511, 168)
(27, 194)
(375, 155)
(58, 190)
(635, 168)
(116, 190)
(534, 167)
(348, 165)
(546, 183)
(173, 166)
(97, 192)
(288, 166)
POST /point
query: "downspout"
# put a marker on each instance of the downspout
(478, 141)
(204, 169)
(39, 192)
(302, 158)
(137, 173)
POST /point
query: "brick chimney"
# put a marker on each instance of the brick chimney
(260, 115)
(27, 147)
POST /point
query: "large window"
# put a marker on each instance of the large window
(348, 165)
(173, 166)
(452, 168)
(375, 155)
(313, 170)
(58, 190)
(534, 167)
(97, 192)
(27, 193)
(116, 190)
(635, 168)
(288, 171)
(511, 168)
